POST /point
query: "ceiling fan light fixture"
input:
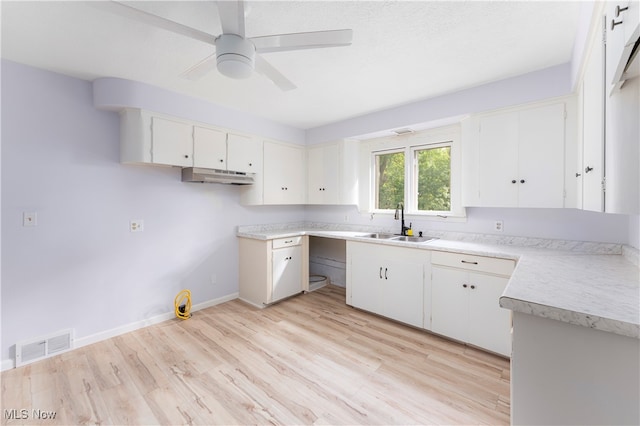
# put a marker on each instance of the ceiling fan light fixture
(235, 56)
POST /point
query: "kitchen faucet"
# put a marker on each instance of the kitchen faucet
(403, 229)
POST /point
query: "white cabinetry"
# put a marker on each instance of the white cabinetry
(387, 280)
(149, 137)
(622, 23)
(591, 169)
(323, 174)
(284, 177)
(465, 292)
(521, 158)
(272, 270)
(244, 153)
(209, 148)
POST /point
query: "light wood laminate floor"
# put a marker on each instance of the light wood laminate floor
(307, 360)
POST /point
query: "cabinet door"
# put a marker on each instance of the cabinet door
(450, 302)
(498, 160)
(287, 272)
(244, 154)
(322, 167)
(489, 324)
(592, 170)
(403, 288)
(540, 178)
(284, 178)
(171, 142)
(367, 275)
(209, 148)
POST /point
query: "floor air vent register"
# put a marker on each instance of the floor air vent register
(29, 351)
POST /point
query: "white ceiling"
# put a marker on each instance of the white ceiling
(402, 51)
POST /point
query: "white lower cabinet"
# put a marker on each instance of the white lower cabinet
(465, 293)
(271, 270)
(287, 270)
(387, 280)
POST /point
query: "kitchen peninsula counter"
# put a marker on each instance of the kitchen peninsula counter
(582, 283)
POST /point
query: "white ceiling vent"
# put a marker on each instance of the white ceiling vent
(44, 347)
(403, 131)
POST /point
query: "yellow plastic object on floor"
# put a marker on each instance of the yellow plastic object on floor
(182, 304)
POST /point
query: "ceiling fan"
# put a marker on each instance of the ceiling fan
(236, 56)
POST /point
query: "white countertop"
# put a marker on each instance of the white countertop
(574, 282)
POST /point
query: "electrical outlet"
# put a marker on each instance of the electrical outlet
(498, 226)
(136, 225)
(29, 219)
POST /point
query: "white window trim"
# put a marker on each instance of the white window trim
(445, 136)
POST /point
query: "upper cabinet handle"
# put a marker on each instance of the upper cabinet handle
(588, 169)
(614, 23)
(620, 9)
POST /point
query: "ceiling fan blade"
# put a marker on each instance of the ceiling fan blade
(154, 20)
(266, 69)
(231, 16)
(200, 69)
(298, 41)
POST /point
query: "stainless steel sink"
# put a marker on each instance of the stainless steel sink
(380, 236)
(396, 237)
(413, 239)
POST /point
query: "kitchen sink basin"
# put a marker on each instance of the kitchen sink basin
(381, 236)
(413, 239)
(396, 237)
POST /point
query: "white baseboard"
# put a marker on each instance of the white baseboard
(8, 364)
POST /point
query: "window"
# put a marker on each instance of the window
(389, 178)
(433, 178)
(421, 170)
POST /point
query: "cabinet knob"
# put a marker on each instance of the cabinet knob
(588, 169)
(472, 286)
(221, 160)
(513, 181)
(620, 9)
(522, 180)
(578, 174)
(464, 285)
(186, 156)
(614, 24)
(250, 164)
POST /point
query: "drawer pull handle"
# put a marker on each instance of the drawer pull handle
(470, 263)
(288, 241)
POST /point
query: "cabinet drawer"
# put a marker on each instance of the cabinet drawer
(490, 265)
(286, 242)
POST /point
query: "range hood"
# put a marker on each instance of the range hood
(196, 174)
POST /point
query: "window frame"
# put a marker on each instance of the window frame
(432, 138)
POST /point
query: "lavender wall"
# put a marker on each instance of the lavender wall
(80, 267)
(534, 86)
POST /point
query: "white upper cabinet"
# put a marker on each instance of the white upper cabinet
(244, 153)
(209, 148)
(519, 159)
(323, 174)
(284, 174)
(149, 137)
(171, 142)
(622, 24)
